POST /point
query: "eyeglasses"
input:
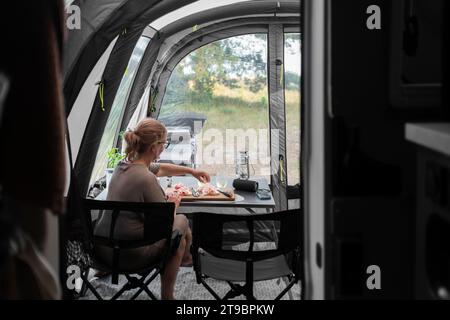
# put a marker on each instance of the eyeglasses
(166, 144)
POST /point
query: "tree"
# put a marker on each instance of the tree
(228, 61)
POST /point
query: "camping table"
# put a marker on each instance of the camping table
(249, 202)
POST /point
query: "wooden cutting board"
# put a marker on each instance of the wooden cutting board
(219, 197)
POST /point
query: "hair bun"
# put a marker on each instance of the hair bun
(147, 132)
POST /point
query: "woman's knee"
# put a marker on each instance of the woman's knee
(181, 223)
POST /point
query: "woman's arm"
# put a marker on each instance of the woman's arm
(167, 169)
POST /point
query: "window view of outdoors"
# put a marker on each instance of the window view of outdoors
(226, 83)
(292, 70)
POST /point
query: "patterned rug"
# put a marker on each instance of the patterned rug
(186, 288)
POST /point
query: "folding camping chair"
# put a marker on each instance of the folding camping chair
(216, 256)
(157, 226)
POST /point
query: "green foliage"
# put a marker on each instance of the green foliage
(292, 81)
(224, 62)
(114, 157)
(263, 101)
(255, 85)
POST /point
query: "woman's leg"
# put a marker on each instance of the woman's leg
(169, 277)
(182, 223)
(187, 257)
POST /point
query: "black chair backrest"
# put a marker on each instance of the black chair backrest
(158, 222)
(209, 234)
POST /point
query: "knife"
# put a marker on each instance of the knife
(194, 193)
(229, 195)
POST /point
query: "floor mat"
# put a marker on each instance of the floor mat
(186, 288)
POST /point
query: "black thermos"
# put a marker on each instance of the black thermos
(245, 185)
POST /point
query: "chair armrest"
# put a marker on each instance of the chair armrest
(175, 241)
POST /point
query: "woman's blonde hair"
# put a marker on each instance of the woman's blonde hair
(148, 132)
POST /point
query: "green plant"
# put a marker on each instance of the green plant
(114, 157)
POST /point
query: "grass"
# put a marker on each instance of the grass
(241, 109)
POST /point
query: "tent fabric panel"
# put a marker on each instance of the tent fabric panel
(220, 24)
(277, 116)
(237, 9)
(140, 84)
(193, 8)
(93, 15)
(134, 14)
(89, 54)
(187, 34)
(79, 115)
(118, 61)
(111, 78)
(173, 34)
(149, 32)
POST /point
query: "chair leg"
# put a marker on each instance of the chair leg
(84, 276)
(248, 291)
(132, 283)
(215, 295)
(237, 290)
(144, 286)
(136, 283)
(153, 276)
(288, 287)
(124, 288)
(84, 289)
(287, 280)
(150, 294)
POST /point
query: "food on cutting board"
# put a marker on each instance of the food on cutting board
(207, 190)
(179, 188)
(204, 189)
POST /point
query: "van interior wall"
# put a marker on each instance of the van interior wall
(371, 158)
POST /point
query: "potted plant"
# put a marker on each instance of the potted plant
(113, 157)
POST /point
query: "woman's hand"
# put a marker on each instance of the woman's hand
(175, 198)
(202, 176)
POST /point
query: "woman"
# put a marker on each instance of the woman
(134, 180)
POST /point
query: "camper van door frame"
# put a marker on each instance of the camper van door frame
(316, 140)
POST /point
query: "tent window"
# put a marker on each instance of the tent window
(112, 127)
(225, 82)
(292, 71)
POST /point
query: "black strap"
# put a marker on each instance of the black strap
(69, 148)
